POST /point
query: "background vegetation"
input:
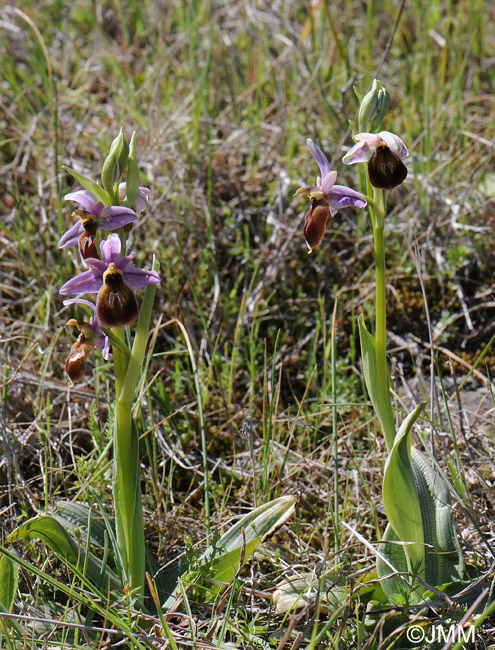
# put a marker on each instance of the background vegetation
(223, 96)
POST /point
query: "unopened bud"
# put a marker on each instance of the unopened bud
(115, 163)
(373, 108)
(132, 185)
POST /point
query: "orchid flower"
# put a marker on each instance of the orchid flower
(326, 198)
(114, 278)
(102, 340)
(93, 215)
(90, 336)
(383, 152)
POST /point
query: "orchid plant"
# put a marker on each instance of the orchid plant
(114, 278)
(420, 548)
(119, 327)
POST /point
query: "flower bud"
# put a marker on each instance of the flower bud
(75, 366)
(115, 163)
(382, 108)
(132, 184)
(116, 304)
(316, 223)
(373, 107)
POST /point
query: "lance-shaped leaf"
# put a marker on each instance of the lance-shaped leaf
(54, 533)
(9, 578)
(380, 401)
(220, 562)
(89, 184)
(300, 591)
(401, 499)
(417, 502)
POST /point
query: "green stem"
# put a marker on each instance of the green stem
(127, 495)
(381, 316)
(127, 487)
(119, 358)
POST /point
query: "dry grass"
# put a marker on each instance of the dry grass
(223, 96)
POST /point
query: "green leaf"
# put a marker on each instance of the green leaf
(52, 530)
(9, 578)
(444, 560)
(391, 566)
(75, 517)
(401, 499)
(381, 402)
(91, 186)
(417, 502)
(220, 562)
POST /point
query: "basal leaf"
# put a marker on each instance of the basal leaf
(391, 566)
(9, 578)
(54, 534)
(220, 562)
(417, 502)
(444, 560)
(400, 496)
(51, 532)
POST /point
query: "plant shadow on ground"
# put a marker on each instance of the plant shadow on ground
(223, 96)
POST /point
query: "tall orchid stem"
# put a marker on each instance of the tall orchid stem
(377, 212)
(127, 487)
(127, 490)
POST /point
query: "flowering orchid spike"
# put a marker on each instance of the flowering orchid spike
(114, 279)
(93, 215)
(383, 152)
(326, 199)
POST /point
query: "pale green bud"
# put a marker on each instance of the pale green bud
(115, 163)
(132, 185)
(373, 108)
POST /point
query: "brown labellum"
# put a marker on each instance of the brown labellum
(75, 366)
(315, 223)
(116, 304)
(386, 169)
(87, 243)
